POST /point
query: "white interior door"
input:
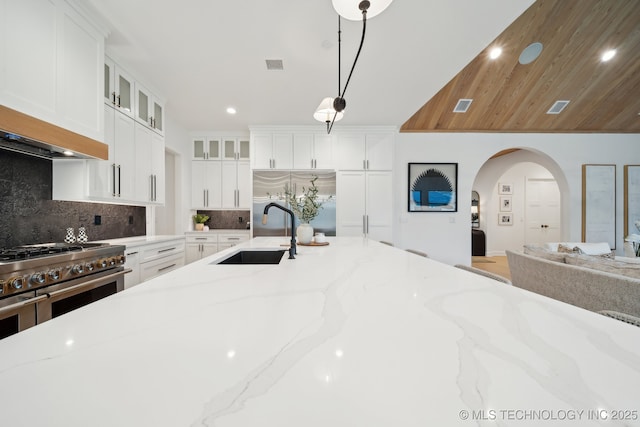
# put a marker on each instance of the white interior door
(542, 211)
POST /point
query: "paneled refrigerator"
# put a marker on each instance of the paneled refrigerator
(269, 186)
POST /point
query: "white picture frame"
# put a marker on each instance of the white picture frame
(505, 188)
(505, 218)
(505, 204)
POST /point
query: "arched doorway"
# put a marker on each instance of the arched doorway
(523, 199)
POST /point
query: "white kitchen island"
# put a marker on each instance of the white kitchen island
(352, 334)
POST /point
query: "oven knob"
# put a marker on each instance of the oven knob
(121, 259)
(54, 274)
(78, 269)
(112, 261)
(89, 266)
(38, 278)
(16, 282)
(102, 263)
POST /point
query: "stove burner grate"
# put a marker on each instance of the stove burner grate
(35, 251)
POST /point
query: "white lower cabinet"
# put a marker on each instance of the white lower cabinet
(226, 240)
(201, 244)
(151, 259)
(366, 201)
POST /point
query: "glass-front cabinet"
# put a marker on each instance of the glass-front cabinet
(206, 148)
(149, 109)
(236, 149)
(118, 88)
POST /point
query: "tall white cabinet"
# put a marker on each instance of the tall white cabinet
(364, 199)
(220, 173)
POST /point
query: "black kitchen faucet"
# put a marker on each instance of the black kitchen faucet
(292, 248)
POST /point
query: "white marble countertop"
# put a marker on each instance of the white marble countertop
(351, 334)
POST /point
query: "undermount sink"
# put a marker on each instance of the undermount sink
(254, 257)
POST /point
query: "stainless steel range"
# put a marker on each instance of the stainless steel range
(40, 282)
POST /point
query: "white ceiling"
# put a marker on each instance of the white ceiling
(205, 55)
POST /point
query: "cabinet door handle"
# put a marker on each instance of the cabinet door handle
(204, 197)
(113, 171)
(367, 224)
(119, 182)
(118, 100)
(363, 225)
(364, 164)
(113, 98)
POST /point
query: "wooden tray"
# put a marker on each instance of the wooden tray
(314, 244)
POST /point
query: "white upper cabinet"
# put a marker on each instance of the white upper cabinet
(52, 64)
(312, 151)
(272, 151)
(371, 151)
(236, 149)
(118, 87)
(149, 109)
(206, 148)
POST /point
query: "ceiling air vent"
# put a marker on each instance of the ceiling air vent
(275, 64)
(557, 107)
(462, 106)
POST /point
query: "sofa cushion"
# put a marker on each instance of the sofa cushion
(605, 264)
(541, 252)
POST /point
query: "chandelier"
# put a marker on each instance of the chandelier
(330, 109)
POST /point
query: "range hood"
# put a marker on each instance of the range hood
(28, 135)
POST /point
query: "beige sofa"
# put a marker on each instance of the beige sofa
(580, 285)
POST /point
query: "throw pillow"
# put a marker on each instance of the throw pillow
(605, 264)
(567, 249)
(543, 253)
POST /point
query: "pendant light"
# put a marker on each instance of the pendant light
(352, 10)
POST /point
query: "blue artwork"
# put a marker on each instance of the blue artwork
(432, 187)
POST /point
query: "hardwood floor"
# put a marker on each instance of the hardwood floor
(493, 264)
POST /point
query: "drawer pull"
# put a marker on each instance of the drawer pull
(167, 267)
(166, 250)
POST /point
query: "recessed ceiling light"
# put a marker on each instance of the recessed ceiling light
(231, 110)
(495, 52)
(608, 55)
(530, 53)
(67, 153)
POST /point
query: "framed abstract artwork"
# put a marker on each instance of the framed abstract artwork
(505, 219)
(433, 187)
(505, 188)
(505, 204)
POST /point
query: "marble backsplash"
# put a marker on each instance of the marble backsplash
(29, 216)
(232, 220)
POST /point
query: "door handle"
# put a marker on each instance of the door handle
(119, 181)
(113, 170)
